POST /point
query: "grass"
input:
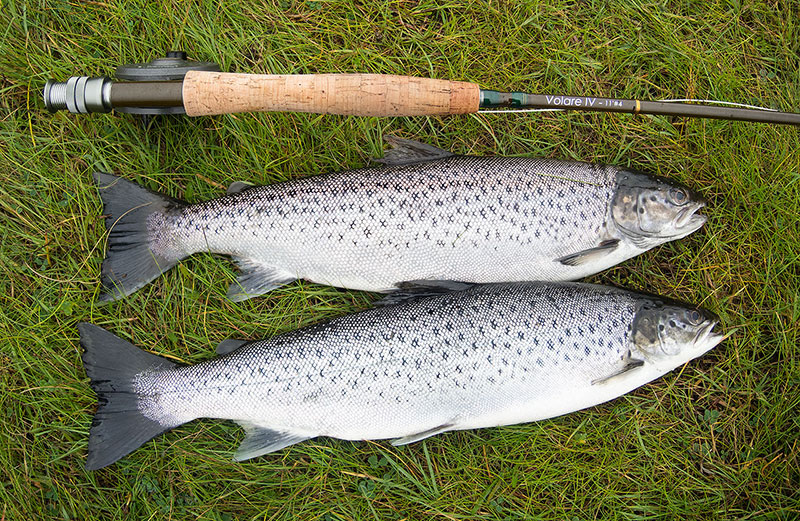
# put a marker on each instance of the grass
(717, 439)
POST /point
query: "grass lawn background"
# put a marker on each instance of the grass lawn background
(716, 439)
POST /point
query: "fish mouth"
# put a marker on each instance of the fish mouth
(706, 338)
(689, 220)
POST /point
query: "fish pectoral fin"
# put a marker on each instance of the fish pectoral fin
(406, 152)
(239, 186)
(230, 345)
(256, 279)
(417, 289)
(405, 440)
(629, 364)
(592, 254)
(261, 440)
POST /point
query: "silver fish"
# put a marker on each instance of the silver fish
(434, 361)
(430, 215)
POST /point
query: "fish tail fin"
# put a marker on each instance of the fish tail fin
(133, 259)
(112, 364)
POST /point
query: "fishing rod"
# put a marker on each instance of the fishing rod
(175, 85)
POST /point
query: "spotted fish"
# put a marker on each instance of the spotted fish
(433, 361)
(429, 215)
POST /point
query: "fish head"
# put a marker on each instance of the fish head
(668, 333)
(650, 210)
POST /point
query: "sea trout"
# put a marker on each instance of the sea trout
(431, 362)
(429, 215)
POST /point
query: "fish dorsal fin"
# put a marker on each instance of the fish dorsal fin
(592, 254)
(405, 440)
(256, 279)
(406, 152)
(417, 289)
(263, 440)
(230, 345)
(239, 186)
(628, 364)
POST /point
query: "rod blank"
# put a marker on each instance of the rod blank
(522, 100)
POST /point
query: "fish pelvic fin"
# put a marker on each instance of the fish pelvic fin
(405, 440)
(256, 279)
(132, 258)
(407, 151)
(261, 440)
(112, 364)
(412, 290)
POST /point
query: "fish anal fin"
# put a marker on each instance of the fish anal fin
(411, 438)
(628, 364)
(256, 279)
(417, 289)
(260, 440)
(230, 345)
(239, 186)
(407, 151)
(592, 254)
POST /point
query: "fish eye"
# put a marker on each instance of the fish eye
(695, 317)
(678, 196)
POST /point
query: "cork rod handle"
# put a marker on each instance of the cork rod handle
(208, 93)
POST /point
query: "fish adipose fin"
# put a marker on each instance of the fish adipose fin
(405, 440)
(130, 263)
(262, 440)
(406, 152)
(118, 427)
(239, 186)
(590, 255)
(417, 289)
(256, 279)
(628, 364)
(230, 345)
